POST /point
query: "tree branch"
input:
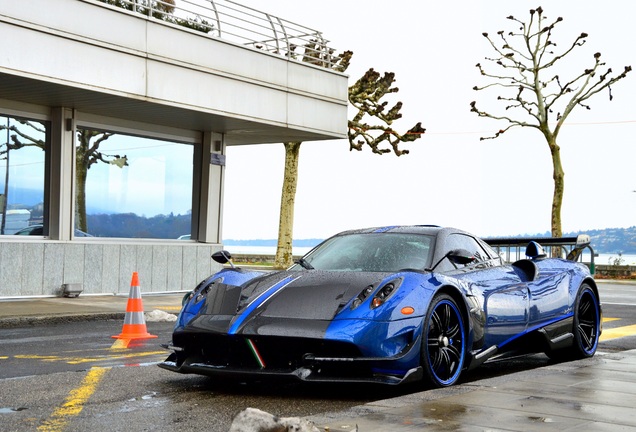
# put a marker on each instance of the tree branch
(366, 97)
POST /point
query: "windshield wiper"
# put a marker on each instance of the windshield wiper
(304, 263)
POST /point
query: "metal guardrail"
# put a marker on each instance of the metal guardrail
(513, 249)
(234, 22)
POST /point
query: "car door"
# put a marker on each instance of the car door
(504, 296)
(548, 297)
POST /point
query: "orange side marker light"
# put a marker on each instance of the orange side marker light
(407, 310)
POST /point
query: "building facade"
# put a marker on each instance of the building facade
(124, 113)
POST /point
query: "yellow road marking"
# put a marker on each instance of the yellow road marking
(75, 401)
(113, 347)
(618, 332)
(120, 344)
(4, 357)
(172, 308)
(80, 360)
(610, 319)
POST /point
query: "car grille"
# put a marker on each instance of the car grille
(264, 352)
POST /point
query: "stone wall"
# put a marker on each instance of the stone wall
(615, 270)
(39, 268)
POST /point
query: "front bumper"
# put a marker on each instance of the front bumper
(259, 361)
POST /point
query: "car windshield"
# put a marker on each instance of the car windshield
(376, 252)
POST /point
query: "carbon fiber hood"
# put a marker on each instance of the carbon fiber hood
(310, 294)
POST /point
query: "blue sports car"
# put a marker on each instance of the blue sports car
(387, 305)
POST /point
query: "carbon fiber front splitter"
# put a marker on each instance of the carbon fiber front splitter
(307, 374)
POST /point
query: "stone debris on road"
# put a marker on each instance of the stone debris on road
(255, 420)
(160, 316)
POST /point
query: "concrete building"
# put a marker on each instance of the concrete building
(185, 75)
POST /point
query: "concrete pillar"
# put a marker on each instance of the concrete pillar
(60, 174)
(212, 174)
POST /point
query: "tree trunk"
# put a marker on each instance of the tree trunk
(80, 197)
(81, 171)
(557, 197)
(284, 256)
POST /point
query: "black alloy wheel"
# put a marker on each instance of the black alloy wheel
(444, 345)
(587, 322)
(586, 327)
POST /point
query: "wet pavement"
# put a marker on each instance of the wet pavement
(596, 394)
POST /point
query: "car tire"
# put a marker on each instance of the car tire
(586, 327)
(443, 342)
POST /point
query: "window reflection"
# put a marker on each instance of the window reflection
(22, 166)
(132, 187)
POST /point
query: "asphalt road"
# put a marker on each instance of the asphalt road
(74, 376)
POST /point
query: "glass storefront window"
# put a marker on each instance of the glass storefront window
(132, 187)
(22, 168)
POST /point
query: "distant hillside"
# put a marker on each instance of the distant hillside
(271, 242)
(608, 240)
(613, 240)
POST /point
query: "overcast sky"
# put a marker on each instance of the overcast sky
(497, 187)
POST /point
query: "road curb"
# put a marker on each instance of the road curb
(616, 281)
(20, 321)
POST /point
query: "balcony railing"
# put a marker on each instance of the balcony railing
(234, 22)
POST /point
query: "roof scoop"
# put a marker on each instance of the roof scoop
(535, 251)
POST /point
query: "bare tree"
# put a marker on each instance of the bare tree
(523, 61)
(17, 138)
(87, 154)
(366, 95)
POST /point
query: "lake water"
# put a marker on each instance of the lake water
(263, 250)
(609, 259)
(271, 250)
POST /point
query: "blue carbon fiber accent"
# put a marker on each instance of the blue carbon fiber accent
(258, 301)
(534, 328)
(384, 229)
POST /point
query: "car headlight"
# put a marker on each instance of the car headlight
(201, 291)
(366, 292)
(385, 292)
(187, 297)
(381, 295)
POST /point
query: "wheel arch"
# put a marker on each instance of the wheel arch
(592, 284)
(460, 299)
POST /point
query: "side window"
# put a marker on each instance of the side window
(23, 145)
(132, 187)
(490, 251)
(462, 241)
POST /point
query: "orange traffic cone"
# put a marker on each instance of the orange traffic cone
(134, 321)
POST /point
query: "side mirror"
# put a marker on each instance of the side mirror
(456, 256)
(461, 256)
(223, 257)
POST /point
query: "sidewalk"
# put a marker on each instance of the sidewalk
(85, 307)
(597, 394)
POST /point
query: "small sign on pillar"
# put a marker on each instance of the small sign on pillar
(217, 159)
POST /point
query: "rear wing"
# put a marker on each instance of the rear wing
(571, 248)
